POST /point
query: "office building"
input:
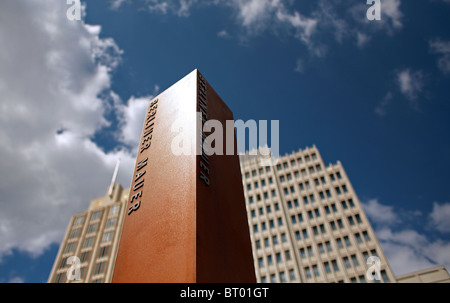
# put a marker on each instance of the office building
(306, 221)
(92, 236)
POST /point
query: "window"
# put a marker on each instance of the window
(254, 173)
(88, 242)
(283, 237)
(266, 242)
(269, 260)
(74, 233)
(296, 202)
(70, 247)
(315, 230)
(294, 219)
(338, 175)
(268, 209)
(273, 278)
(277, 207)
(303, 171)
(362, 279)
(384, 276)
(287, 255)
(292, 162)
(302, 253)
(291, 274)
(258, 244)
(296, 174)
(250, 199)
(289, 203)
(103, 252)
(301, 186)
(316, 182)
(261, 171)
(263, 226)
(344, 205)
(346, 262)
(256, 184)
(328, 193)
(322, 180)
(114, 210)
(280, 222)
(333, 225)
(332, 177)
(339, 221)
(347, 241)
(318, 168)
(333, 207)
(292, 189)
(310, 251)
(311, 198)
(350, 202)
(85, 256)
(335, 265)
(307, 159)
(288, 176)
(271, 224)
(274, 194)
(358, 238)
(270, 180)
(321, 249)
(311, 169)
(358, 218)
(305, 200)
(314, 156)
(322, 228)
(78, 221)
(355, 260)
(261, 211)
(96, 215)
(297, 235)
(300, 217)
(111, 222)
(249, 186)
(327, 267)
(282, 179)
(322, 196)
(353, 280)
(366, 236)
(339, 243)
(350, 220)
(310, 214)
(328, 245)
(92, 228)
(247, 175)
(317, 212)
(267, 169)
(344, 188)
(263, 279)
(305, 234)
(275, 240)
(263, 182)
(255, 228)
(278, 166)
(374, 252)
(278, 257)
(107, 236)
(315, 270)
(286, 191)
(285, 165)
(258, 197)
(308, 272)
(260, 262)
(282, 277)
(253, 213)
(338, 190)
(327, 210)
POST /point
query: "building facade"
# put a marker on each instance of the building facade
(306, 221)
(93, 237)
(438, 274)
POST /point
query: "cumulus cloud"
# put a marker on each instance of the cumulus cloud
(53, 74)
(440, 217)
(410, 83)
(442, 48)
(406, 248)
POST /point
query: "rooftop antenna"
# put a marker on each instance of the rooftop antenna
(114, 177)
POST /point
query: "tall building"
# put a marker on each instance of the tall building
(92, 236)
(306, 221)
(437, 274)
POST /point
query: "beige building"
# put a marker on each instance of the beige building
(92, 236)
(436, 274)
(306, 221)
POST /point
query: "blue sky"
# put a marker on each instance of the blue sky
(371, 94)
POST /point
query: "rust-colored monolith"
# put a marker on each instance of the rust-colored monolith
(186, 219)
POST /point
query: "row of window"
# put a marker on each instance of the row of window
(96, 215)
(89, 241)
(84, 256)
(264, 225)
(273, 277)
(93, 227)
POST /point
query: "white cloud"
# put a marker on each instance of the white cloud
(407, 249)
(379, 213)
(16, 280)
(381, 109)
(391, 10)
(440, 217)
(410, 83)
(52, 72)
(443, 49)
(299, 66)
(223, 34)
